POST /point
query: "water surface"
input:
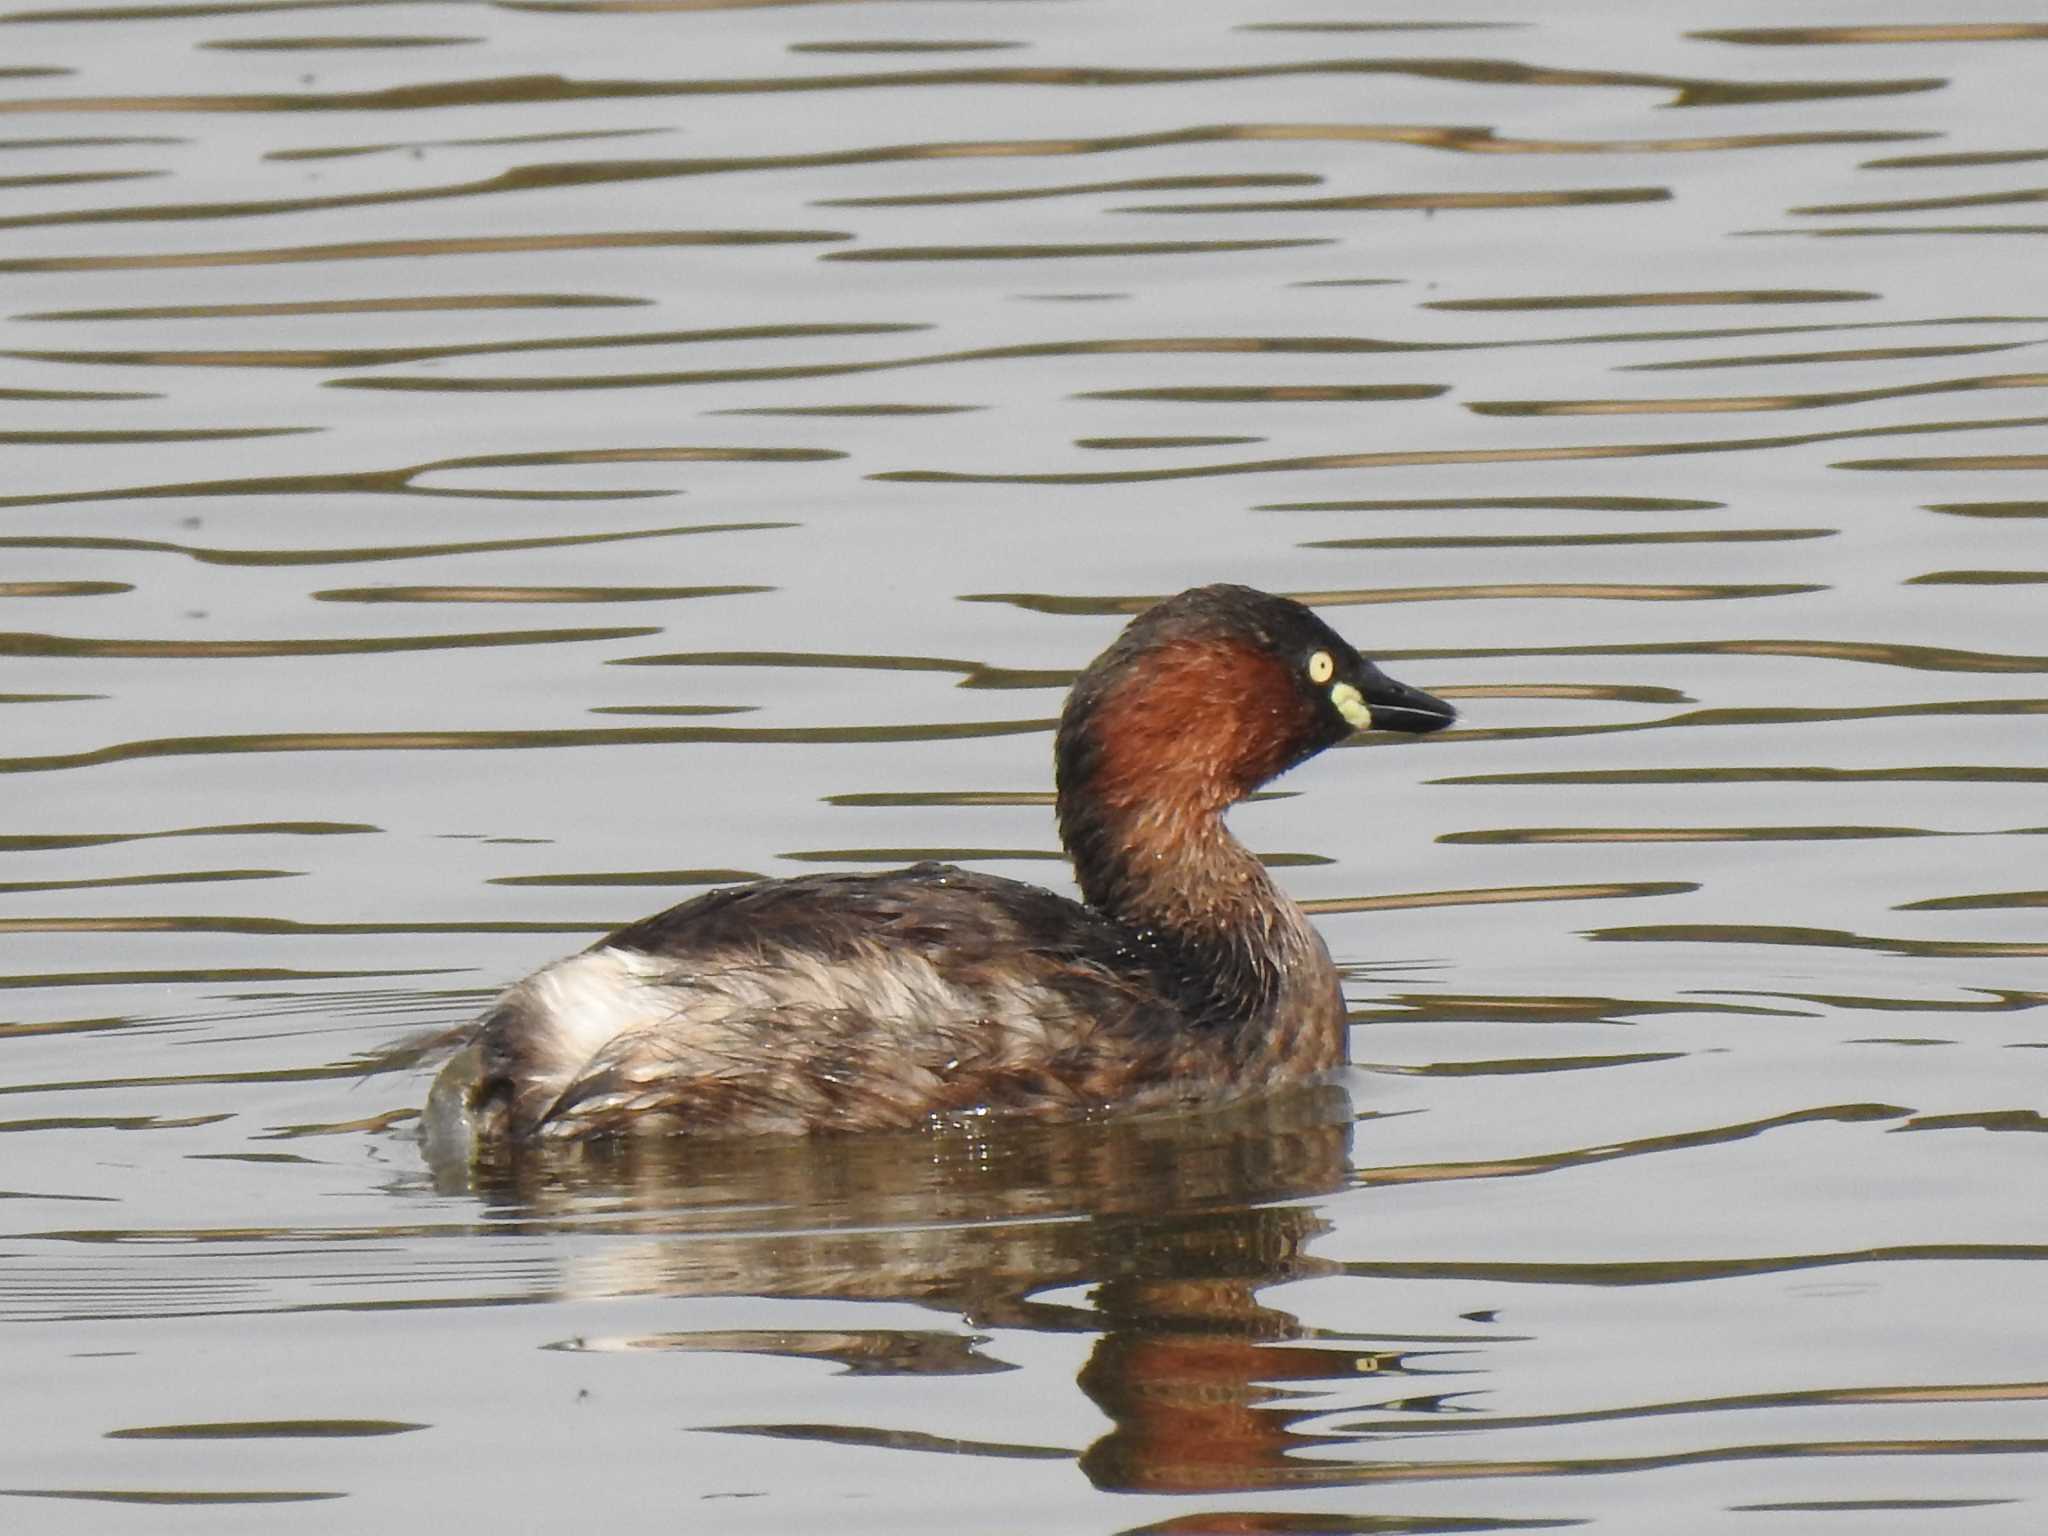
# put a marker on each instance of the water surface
(480, 472)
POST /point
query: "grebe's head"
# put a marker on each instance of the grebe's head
(1206, 696)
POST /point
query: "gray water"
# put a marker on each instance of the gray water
(477, 473)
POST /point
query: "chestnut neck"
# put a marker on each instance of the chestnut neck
(1147, 763)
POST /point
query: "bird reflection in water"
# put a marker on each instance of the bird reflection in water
(1175, 1223)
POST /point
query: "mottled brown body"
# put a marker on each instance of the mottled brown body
(867, 1002)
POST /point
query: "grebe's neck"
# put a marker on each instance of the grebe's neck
(1146, 767)
(1236, 948)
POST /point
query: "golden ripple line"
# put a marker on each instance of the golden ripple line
(1045, 602)
(1433, 202)
(1579, 1157)
(370, 553)
(29, 842)
(505, 741)
(268, 1429)
(181, 1496)
(1937, 32)
(1919, 658)
(452, 594)
(1940, 773)
(444, 245)
(196, 923)
(1930, 204)
(1990, 508)
(78, 394)
(161, 435)
(179, 877)
(78, 646)
(399, 481)
(1248, 394)
(184, 9)
(1812, 1397)
(972, 674)
(398, 305)
(1608, 891)
(1504, 503)
(1085, 249)
(1456, 541)
(586, 173)
(64, 588)
(1992, 902)
(1172, 346)
(514, 90)
(1071, 189)
(1518, 836)
(183, 976)
(1654, 300)
(1760, 715)
(2033, 461)
(374, 357)
(1813, 938)
(1693, 1271)
(336, 43)
(1840, 355)
(1415, 458)
(74, 179)
(1884, 231)
(1730, 403)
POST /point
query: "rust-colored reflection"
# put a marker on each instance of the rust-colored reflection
(1177, 1222)
(1200, 1380)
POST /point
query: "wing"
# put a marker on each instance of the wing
(836, 1002)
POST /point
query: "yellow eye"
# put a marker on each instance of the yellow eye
(1321, 667)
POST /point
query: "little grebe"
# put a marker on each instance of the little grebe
(861, 1002)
